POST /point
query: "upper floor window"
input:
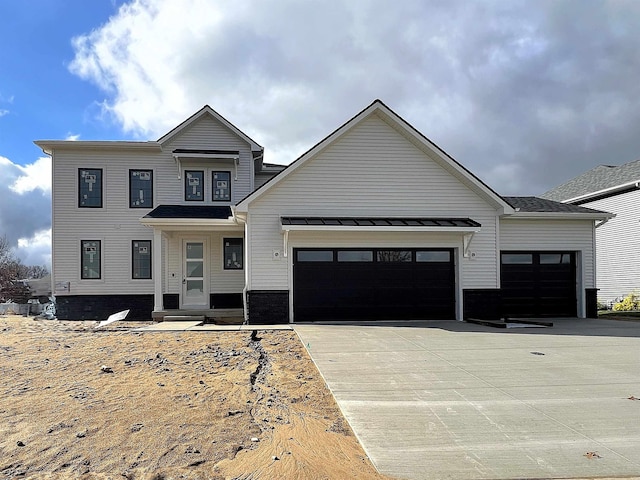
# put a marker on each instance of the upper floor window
(90, 260)
(90, 187)
(141, 259)
(141, 188)
(221, 186)
(194, 185)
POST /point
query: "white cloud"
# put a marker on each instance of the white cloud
(35, 250)
(3, 112)
(492, 83)
(25, 209)
(34, 176)
(73, 137)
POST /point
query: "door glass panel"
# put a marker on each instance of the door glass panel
(517, 258)
(195, 288)
(194, 269)
(433, 256)
(194, 250)
(315, 256)
(355, 256)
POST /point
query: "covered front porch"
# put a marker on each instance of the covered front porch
(198, 263)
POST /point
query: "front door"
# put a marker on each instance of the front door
(194, 277)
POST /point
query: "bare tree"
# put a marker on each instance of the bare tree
(12, 270)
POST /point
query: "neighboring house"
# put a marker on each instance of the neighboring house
(615, 189)
(373, 222)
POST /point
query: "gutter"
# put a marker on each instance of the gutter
(604, 192)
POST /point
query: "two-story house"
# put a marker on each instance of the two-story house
(373, 222)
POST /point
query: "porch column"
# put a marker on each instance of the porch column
(158, 304)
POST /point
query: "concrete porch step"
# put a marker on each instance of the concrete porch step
(184, 318)
(225, 316)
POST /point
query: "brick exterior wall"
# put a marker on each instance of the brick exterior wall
(99, 307)
(268, 306)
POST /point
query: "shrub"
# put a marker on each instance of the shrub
(630, 302)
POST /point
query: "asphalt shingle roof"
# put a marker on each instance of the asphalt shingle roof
(535, 204)
(594, 180)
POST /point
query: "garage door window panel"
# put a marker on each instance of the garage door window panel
(315, 255)
(394, 255)
(355, 255)
(433, 256)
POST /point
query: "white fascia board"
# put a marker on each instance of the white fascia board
(184, 223)
(559, 216)
(376, 228)
(48, 146)
(213, 156)
(605, 191)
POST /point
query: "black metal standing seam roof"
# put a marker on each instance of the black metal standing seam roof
(190, 211)
(535, 204)
(380, 221)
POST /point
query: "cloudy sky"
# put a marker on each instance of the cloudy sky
(526, 94)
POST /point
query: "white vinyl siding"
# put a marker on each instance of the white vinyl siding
(209, 134)
(552, 235)
(116, 224)
(371, 171)
(618, 246)
(220, 280)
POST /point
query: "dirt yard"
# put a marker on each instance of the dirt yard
(76, 402)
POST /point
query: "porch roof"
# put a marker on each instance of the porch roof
(190, 211)
(380, 223)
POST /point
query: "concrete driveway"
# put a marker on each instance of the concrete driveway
(446, 399)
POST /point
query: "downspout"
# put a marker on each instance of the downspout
(247, 261)
(245, 303)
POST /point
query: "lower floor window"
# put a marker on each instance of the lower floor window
(90, 259)
(141, 259)
(233, 254)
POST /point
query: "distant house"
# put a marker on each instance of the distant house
(373, 222)
(614, 189)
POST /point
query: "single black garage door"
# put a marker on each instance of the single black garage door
(370, 284)
(538, 284)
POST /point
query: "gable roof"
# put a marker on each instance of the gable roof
(599, 181)
(208, 111)
(394, 120)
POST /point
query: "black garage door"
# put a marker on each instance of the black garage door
(538, 284)
(370, 284)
